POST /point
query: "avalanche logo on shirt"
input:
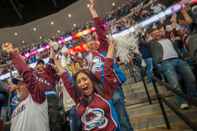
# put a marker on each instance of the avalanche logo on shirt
(18, 111)
(97, 64)
(94, 118)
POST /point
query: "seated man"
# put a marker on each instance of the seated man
(165, 54)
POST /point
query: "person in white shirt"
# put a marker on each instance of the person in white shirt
(28, 115)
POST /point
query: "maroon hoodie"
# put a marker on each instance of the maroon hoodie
(37, 83)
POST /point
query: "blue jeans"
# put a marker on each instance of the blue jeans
(149, 68)
(118, 101)
(174, 69)
(114, 115)
(3, 99)
(74, 120)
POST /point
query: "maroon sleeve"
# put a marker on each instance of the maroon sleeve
(53, 77)
(101, 34)
(69, 86)
(110, 80)
(108, 71)
(36, 90)
(19, 63)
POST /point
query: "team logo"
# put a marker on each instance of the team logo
(18, 110)
(97, 64)
(94, 118)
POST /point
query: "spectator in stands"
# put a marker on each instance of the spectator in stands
(179, 30)
(157, 7)
(194, 17)
(144, 48)
(32, 112)
(29, 115)
(171, 65)
(69, 106)
(97, 67)
(3, 101)
(92, 97)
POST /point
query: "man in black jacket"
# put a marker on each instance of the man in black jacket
(166, 55)
(144, 48)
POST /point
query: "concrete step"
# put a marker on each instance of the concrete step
(148, 117)
(135, 93)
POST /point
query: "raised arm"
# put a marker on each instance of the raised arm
(173, 21)
(34, 86)
(187, 18)
(108, 64)
(53, 78)
(17, 59)
(92, 8)
(67, 80)
(111, 48)
(111, 81)
(100, 28)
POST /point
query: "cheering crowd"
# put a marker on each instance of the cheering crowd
(83, 91)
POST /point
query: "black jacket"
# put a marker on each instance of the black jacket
(157, 51)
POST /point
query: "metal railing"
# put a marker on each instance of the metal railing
(163, 100)
(142, 75)
(142, 72)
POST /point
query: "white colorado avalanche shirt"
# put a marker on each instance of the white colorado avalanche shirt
(30, 116)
